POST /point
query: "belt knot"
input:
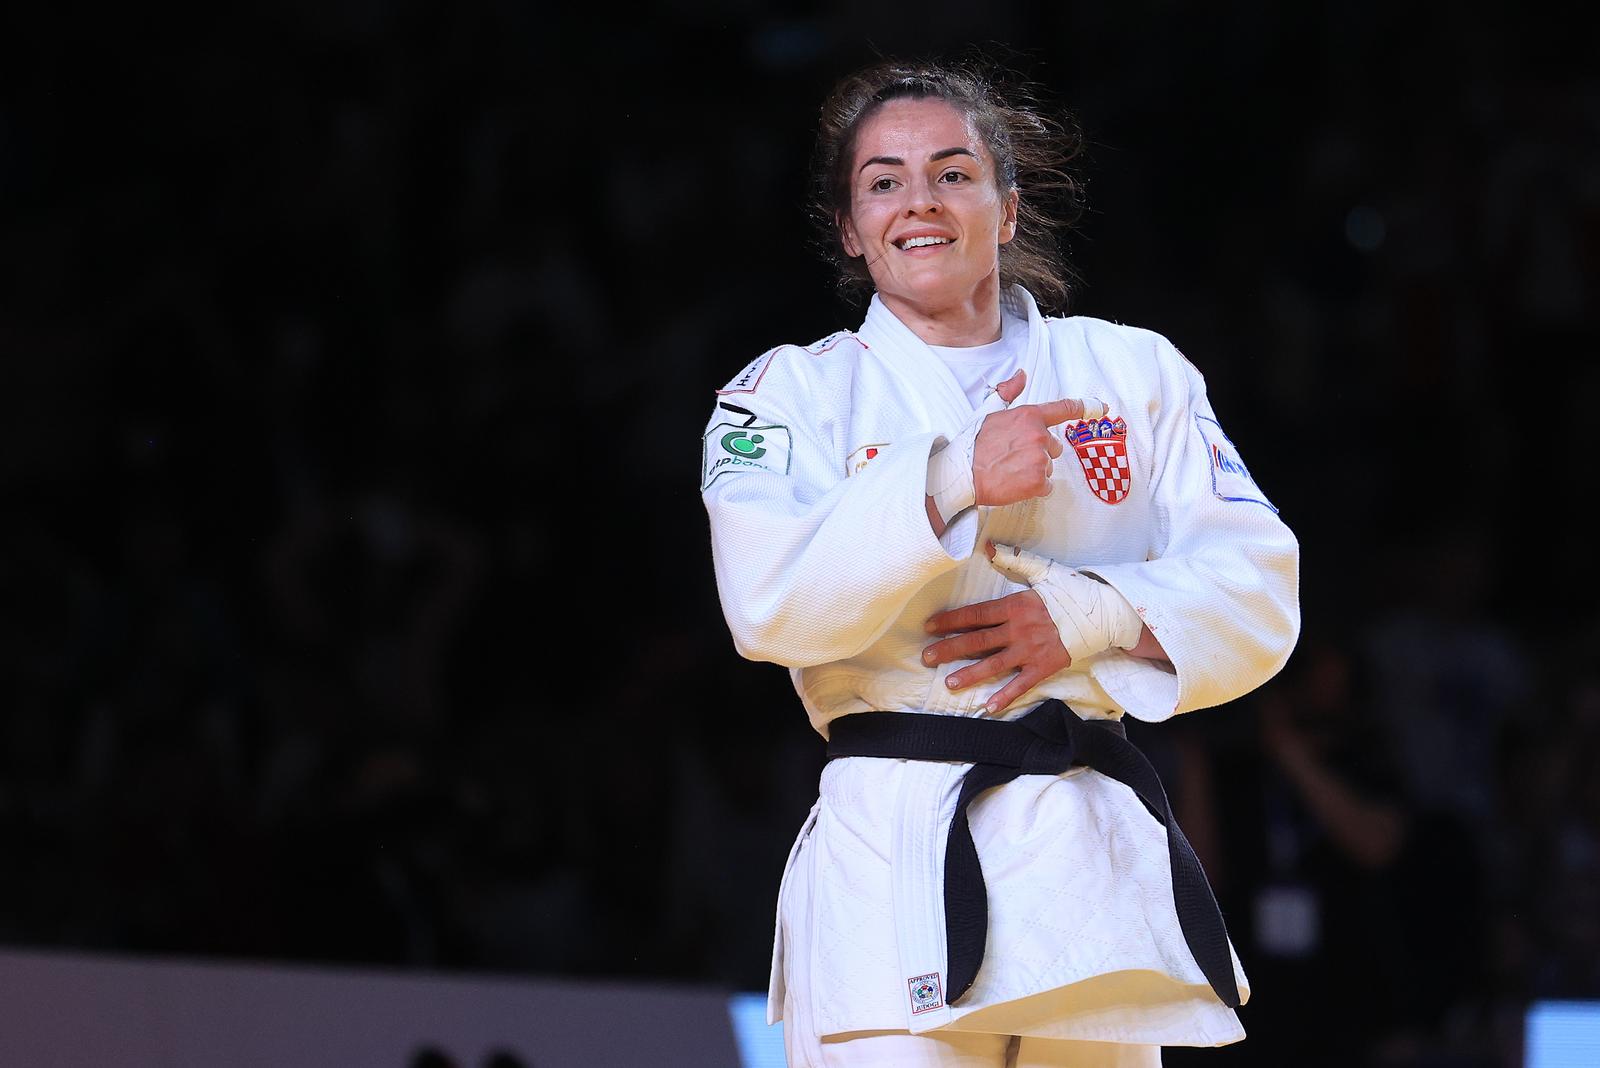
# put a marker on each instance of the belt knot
(1047, 757)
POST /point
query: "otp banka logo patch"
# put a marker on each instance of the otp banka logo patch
(729, 448)
(745, 444)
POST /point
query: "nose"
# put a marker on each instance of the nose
(922, 198)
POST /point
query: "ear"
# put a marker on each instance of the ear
(847, 235)
(1008, 223)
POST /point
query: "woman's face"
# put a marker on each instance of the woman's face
(925, 210)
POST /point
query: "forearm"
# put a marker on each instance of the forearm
(805, 582)
(1224, 616)
(1149, 647)
(1218, 587)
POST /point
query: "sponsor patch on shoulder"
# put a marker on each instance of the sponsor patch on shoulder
(730, 448)
(1230, 478)
(926, 993)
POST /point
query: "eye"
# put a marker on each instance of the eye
(882, 185)
(952, 177)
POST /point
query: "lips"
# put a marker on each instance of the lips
(923, 239)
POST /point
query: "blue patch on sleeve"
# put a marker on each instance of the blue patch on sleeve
(1230, 478)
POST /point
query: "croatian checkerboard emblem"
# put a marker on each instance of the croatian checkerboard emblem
(926, 993)
(1102, 448)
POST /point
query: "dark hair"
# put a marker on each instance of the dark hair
(1031, 153)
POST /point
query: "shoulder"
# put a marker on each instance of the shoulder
(789, 391)
(784, 367)
(1108, 335)
(1136, 346)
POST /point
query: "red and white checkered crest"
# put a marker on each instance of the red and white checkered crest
(1102, 447)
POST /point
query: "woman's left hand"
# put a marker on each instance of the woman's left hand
(1011, 633)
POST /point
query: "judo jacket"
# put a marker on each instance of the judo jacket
(814, 470)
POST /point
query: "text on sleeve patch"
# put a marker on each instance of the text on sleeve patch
(731, 447)
(1230, 478)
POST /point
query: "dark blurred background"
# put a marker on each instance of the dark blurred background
(358, 595)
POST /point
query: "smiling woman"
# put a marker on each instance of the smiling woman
(978, 537)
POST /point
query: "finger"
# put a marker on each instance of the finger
(968, 646)
(987, 668)
(1019, 565)
(993, 401)
(982, 614)
(1003, 697)
(1011, 388)
(1059, 411)
(1054, 447)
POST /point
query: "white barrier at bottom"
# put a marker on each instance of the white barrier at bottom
(73, 1009)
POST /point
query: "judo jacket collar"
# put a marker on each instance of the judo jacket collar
(943, 402)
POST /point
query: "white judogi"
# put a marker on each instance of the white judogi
(814, 475)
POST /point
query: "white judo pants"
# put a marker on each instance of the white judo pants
(931, 1049)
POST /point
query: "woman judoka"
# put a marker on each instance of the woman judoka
(979, 535)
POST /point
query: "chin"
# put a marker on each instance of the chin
(938, 290)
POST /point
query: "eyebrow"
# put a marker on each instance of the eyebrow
(896, 161)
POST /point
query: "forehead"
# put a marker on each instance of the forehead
(913, 130)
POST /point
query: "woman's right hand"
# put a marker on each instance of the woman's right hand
(1012, 457)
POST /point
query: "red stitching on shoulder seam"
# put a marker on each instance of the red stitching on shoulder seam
(843, 334)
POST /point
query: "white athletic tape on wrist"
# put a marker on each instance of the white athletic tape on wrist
(1090, 616)
(950, 469)
(950, 480)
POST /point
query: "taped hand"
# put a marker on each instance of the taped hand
(1090, 616)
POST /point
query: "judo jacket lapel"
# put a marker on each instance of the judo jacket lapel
(944, 404)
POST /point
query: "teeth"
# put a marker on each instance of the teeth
(919, 242)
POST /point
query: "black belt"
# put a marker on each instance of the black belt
(1047, 741)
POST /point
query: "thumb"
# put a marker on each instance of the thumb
(1019, 565)
(1011, 388)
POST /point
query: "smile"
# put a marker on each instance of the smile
(922, 242)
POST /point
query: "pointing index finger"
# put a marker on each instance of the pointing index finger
(1059, 411)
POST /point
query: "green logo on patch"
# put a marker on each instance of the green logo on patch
(728, 448)
(741, 444)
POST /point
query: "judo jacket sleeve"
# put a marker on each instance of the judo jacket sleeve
(1221, 590)
(812, 564)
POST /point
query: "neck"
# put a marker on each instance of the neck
(972, 319)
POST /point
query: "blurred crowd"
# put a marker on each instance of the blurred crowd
(359, 599)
